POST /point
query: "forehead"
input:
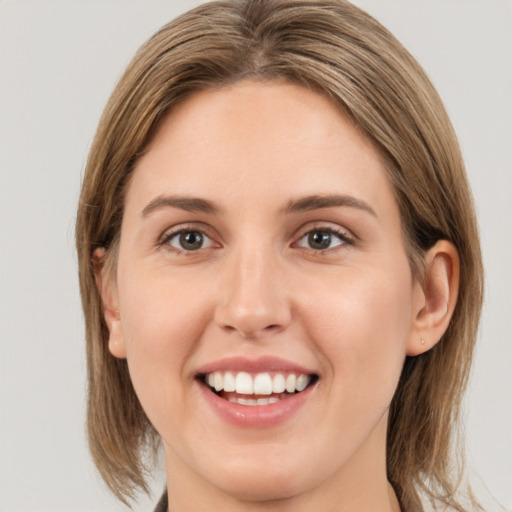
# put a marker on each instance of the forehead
(254, 137)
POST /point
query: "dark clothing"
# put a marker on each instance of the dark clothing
(162, 504)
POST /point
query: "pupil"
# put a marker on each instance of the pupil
(319, 240)
(191, 240)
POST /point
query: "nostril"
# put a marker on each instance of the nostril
(252, 322)
(250, 326)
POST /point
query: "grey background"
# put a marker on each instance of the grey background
(59, 61)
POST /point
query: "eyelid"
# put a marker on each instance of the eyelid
(343, 233)
(171, 232)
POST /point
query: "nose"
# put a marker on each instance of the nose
(252, 299)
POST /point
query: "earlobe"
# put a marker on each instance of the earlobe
(106, 288)
(435, 298)
(116, 344)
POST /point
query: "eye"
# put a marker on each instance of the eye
(322, 239)
(188, 240)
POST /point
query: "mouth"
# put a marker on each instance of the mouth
(256, 389)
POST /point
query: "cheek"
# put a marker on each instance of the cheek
(164, 311)
(162, 323)
(362, 323)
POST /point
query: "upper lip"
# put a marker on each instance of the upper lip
(258, 365)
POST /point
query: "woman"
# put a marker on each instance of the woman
(279, 266)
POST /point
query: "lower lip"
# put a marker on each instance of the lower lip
(256, 416)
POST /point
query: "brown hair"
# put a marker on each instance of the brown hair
(340, 51)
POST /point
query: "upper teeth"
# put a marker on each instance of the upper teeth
(259, 384)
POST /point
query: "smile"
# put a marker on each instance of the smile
(258, 389)
(256, 393)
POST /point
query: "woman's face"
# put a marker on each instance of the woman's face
(260, 241)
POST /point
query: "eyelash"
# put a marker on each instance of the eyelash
(168, 236)
(346, 239)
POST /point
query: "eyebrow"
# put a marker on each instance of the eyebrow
(308, 203)
(316, 202)
(189, 204)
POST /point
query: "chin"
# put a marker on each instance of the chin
(262, 488)
(263, 482)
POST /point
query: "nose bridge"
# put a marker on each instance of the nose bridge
(253, 300)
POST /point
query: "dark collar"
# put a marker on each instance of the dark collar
(162, 504)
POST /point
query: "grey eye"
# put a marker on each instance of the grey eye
(189, 240)
(320, 240)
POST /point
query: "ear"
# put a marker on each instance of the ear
(108, 292)
(435, 298)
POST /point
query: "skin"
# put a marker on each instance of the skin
(256, 287)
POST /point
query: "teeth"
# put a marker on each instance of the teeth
(290, 383)
(262, 384)
(244, 383)
(302, 382)
(247, 401)
(278, 383)
(218, 381)
(252, 401)
(229, 382)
